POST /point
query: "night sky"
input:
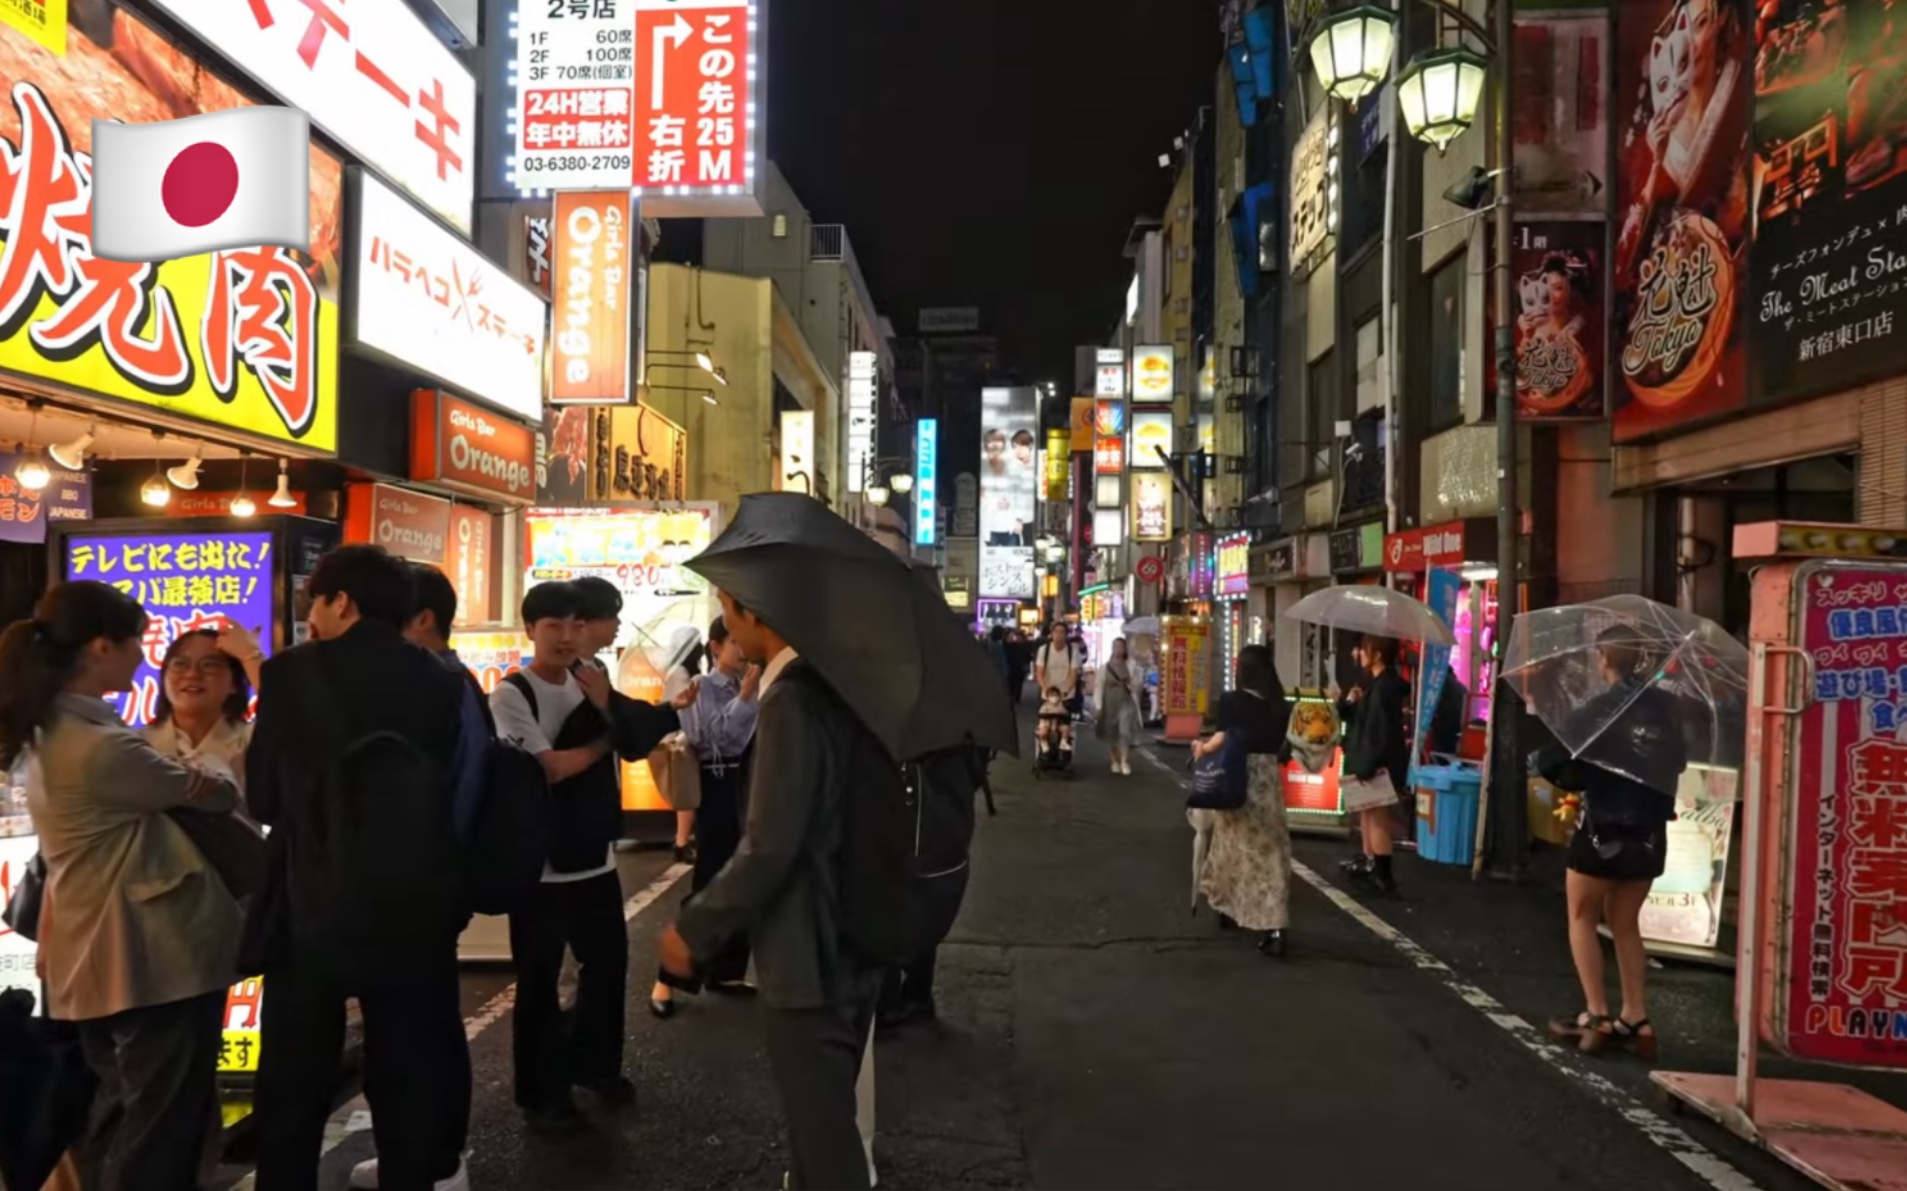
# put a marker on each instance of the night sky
(989, 153)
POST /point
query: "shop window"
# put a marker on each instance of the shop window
(1447, 287)
(1321, 407)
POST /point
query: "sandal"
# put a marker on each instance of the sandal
(1572, 1030)
(1638, 1036)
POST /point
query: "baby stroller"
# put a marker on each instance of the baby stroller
(1052, 754)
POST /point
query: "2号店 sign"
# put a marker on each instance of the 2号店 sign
(431, 301)
(697, 130)
(370, 74)
(1452, 544)
(409, 524)
(576, 74)
(589, 350)
(461, 446)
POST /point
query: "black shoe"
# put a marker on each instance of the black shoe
(1376, 883)
(1273, 944)
(733, 988)
(611, 1091)
(564, 1119)
(1356, 864)
(685, 854)
(664, 1010)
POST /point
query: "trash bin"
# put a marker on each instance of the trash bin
(1447, 798)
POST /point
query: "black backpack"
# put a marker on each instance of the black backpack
(369, 851)
(905, 834)
(510, 835)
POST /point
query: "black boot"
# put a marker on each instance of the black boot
(1359, 863)
(1381, 878)
(1273, 944)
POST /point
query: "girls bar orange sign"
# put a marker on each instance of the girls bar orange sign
(589, 344)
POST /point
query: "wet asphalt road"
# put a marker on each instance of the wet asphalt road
(1094, 1034)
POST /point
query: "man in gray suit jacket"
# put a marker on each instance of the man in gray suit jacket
(780, 887)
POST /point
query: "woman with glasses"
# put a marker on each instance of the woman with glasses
(205, 693)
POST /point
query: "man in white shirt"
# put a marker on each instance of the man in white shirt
(569, 717)
(1057, 666)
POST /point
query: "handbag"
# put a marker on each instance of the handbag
(1357, 794)
(29, 893)
(1220, 781)
(677, 772)
(232, 846)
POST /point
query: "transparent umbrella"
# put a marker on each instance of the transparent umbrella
(1632, 685)
(1375, 611)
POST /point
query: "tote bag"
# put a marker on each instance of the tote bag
(1219, 780)
(677, 772)
(1356, 794)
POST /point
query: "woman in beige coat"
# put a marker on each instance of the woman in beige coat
(138, 936)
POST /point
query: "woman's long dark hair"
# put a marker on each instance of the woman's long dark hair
(39, 656)
(236, 704)
(1258, 673)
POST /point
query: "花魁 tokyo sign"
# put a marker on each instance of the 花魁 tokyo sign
(698, 97)
(431, 300)
(576, 85)
(371, 75)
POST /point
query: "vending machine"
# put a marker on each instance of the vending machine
(1823, 919)
(189, 574)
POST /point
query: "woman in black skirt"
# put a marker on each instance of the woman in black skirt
(1621, 843)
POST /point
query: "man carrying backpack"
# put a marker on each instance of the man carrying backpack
(788, 888)
(1058, 665)
(563, 710)
(353, 765)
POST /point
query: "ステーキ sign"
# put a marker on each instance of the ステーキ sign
(432, 300)
(372, 75)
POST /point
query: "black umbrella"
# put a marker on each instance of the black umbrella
(874, 627)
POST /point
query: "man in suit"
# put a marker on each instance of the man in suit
(780, 888)
(353, 765)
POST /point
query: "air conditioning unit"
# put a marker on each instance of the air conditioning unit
(1235, 403)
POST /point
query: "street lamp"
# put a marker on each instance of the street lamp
(876, 493)
(1438, 94)
(1351, 51)
(902, 482)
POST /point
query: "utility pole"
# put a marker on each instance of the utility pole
(1509, 805)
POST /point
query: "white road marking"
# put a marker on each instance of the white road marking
(355, 1115)
(1701, 1161)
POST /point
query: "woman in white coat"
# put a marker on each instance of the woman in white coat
(1116, 695)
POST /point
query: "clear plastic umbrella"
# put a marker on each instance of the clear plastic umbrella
(1375, 611)
(1632, 685)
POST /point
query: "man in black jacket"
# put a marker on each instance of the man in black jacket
(565, 712)
(353, 766)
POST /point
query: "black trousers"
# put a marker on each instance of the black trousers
(158, 1073)
(554, 1053)
(814, 1058)
(718, 832)
(909, 984)
(416, 1070)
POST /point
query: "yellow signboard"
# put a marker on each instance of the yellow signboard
(42, 20)
(245, 339)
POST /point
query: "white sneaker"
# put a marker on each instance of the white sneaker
(364, 1178)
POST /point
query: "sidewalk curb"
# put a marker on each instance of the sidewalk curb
(1697, 1158)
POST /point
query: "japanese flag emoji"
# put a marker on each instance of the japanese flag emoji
(234, 179)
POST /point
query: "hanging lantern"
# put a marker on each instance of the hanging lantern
(1439, 93)
(1351, 51)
